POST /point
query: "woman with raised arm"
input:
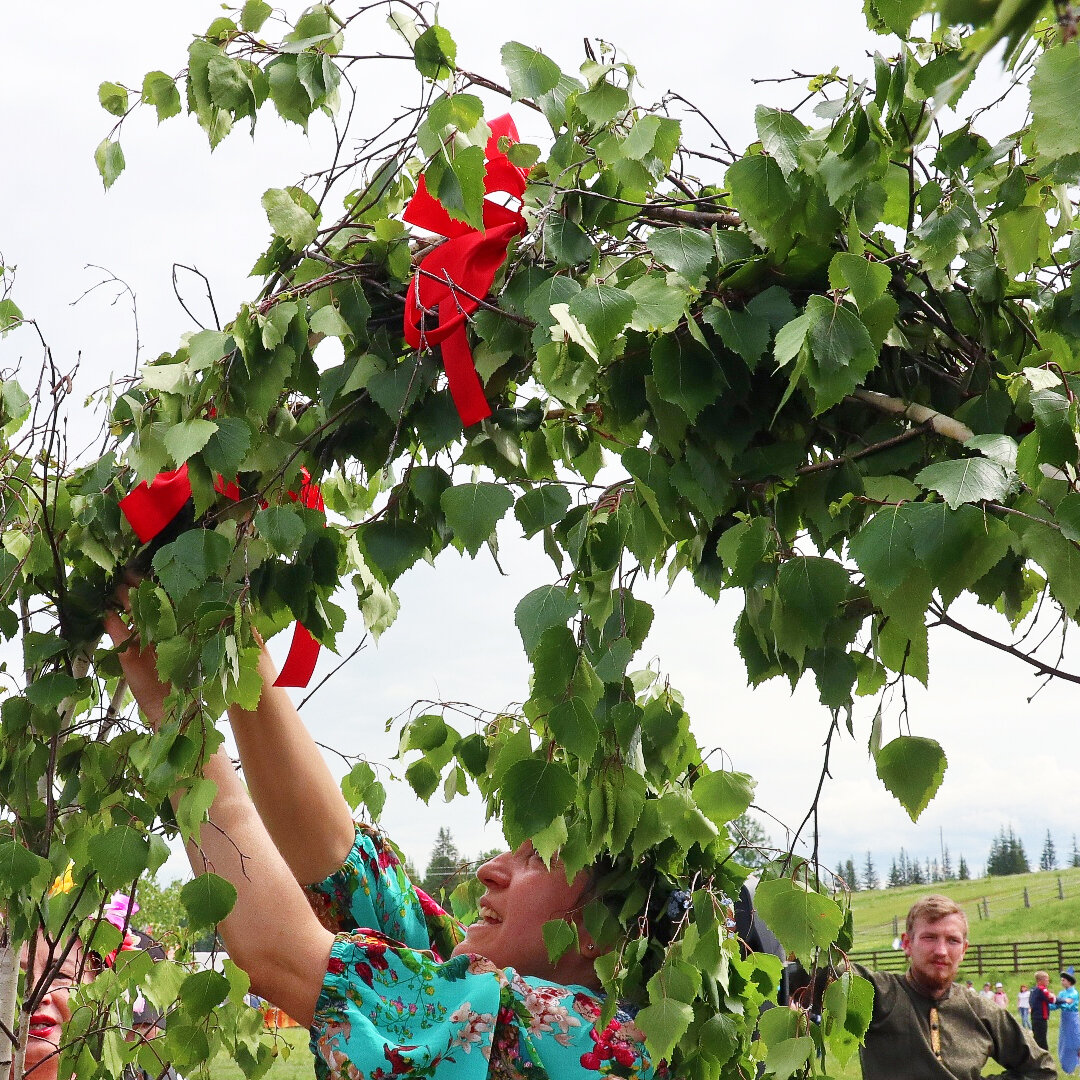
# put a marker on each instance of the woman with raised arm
(379, 1001)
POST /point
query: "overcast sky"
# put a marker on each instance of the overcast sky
(1011, 762)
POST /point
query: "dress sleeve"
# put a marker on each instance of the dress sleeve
(371, 891)
(385, 1011)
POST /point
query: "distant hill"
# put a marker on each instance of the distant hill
(1048, 917)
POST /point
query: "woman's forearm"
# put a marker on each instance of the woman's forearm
(294, 791)
(271, 933)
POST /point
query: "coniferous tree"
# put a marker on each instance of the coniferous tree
(870, 877)
(1048, 858)
(896, 878)
(841, 877)
(850, 875)
(915, 873)
(905, 868)
(962, 873)
(1074, 858)
(445, 868)
(946, 866)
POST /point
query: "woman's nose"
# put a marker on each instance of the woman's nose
(495, 872)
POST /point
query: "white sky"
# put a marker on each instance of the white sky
(1011, 762)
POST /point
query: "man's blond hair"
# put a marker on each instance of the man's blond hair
(932, 908)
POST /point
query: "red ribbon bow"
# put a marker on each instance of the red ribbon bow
(457, 275)
(150, 507)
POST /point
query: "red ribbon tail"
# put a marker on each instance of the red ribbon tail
(300, 663)
(150, 507)
(465, 386)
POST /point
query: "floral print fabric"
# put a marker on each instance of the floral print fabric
(373, 892)
(390, 1007)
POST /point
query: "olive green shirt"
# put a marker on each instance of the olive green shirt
(913, 1037)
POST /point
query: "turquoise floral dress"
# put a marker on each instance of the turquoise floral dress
(390, 1005)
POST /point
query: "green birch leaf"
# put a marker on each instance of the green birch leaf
(657, 306)
(686, 374)
(159, 90)
(781, 135)
(435, 53)
(542, 507)
(809, 590)
(838, 338)
(19, 867)
(604, 311)
(287, 92)
(282, 528)
(288, 219)
(687, 251)
(790, 339)
(190, 560)
(253, 14)
(559, 935)
(849, 1005)
(1055, 90)
(762, 197)
(898, 15)
(965, 480)
(473, 511)
(602, 103)
(534, 794)
(788, 1056)
(109, 159)
(1059, 559)
(1068, 516)
(664, 1022)
(119, 855)
(1022, 233)
(866, 280)
(740, 331)
(207, 900)
(722, 796)
(803, 920)
(459, 185)
(912, 769)
(227, 447)
(566, 242)
(230, 87)
(574, 726)
(537, 611)
(46, 692)
(187, 438)
(883, 549)
(193, 806)
(113, 98)
(202, 992)
(531, 73)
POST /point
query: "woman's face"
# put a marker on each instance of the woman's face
(51, 1012)
(521, 895)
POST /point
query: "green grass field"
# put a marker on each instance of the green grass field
(1048, 918)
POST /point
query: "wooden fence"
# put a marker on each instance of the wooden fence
(1014, 956)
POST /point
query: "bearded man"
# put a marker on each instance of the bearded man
(925, 1026)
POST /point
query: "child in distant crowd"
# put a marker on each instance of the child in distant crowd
(1040, 999)
(1023, 1006)
(1000, 997)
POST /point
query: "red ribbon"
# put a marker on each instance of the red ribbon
(150, 507)
(466, 264)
